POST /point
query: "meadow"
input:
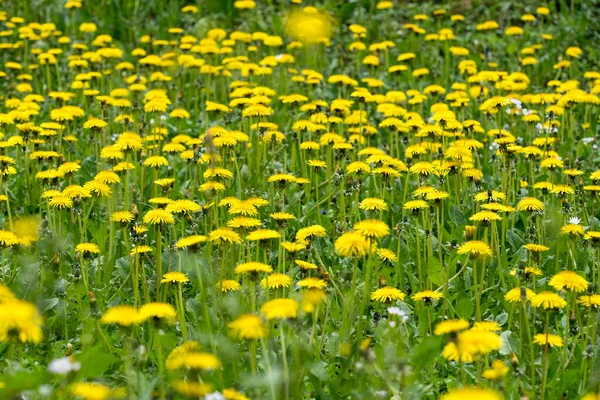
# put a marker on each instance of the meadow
(287, 199)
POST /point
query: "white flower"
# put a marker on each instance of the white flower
(214, 396)
(63, 366)
(396, 311)
(575, 220)
(588, 140)
(45, 390)
(515, 102)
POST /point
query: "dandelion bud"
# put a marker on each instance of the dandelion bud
(382, 281)
(364, 345)
(94, 311)
(470, 231)
(76, 272)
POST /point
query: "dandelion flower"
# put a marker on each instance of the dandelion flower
(548, 301)
(158, 217)
(450, 326)
(352, 244)
(20, 320)
(252, 267)
(519, 294)
(248, 327)
(157, 311)
(123, 315)
(387, 294)
(569, 280)
(229, 285)
(174, 277)
(472, 393)
(90, 391)
(530, 204)
(475, 249)
(372, 228)
(548, 339)
(591, 301)
(280, 309)
(276, 281)
(427, 296)
(373, 204)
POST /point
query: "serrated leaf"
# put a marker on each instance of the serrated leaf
(515, 240)
(456, 216)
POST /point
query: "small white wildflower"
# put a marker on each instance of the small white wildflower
(574, 220)
(45, 390)
(396, 311)
(214, 396)
(587, 140)
(63, 366)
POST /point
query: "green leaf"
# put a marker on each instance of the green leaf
(465, 308)
(502, 318)
(510, 343)
(95, 362)
(456, 216)
(426, 352)
(434, 271)
(515, 241)
(24, 380)
(582, 259)
(48, 304)
(346, 11)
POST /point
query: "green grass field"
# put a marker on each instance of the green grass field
(262, 199)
